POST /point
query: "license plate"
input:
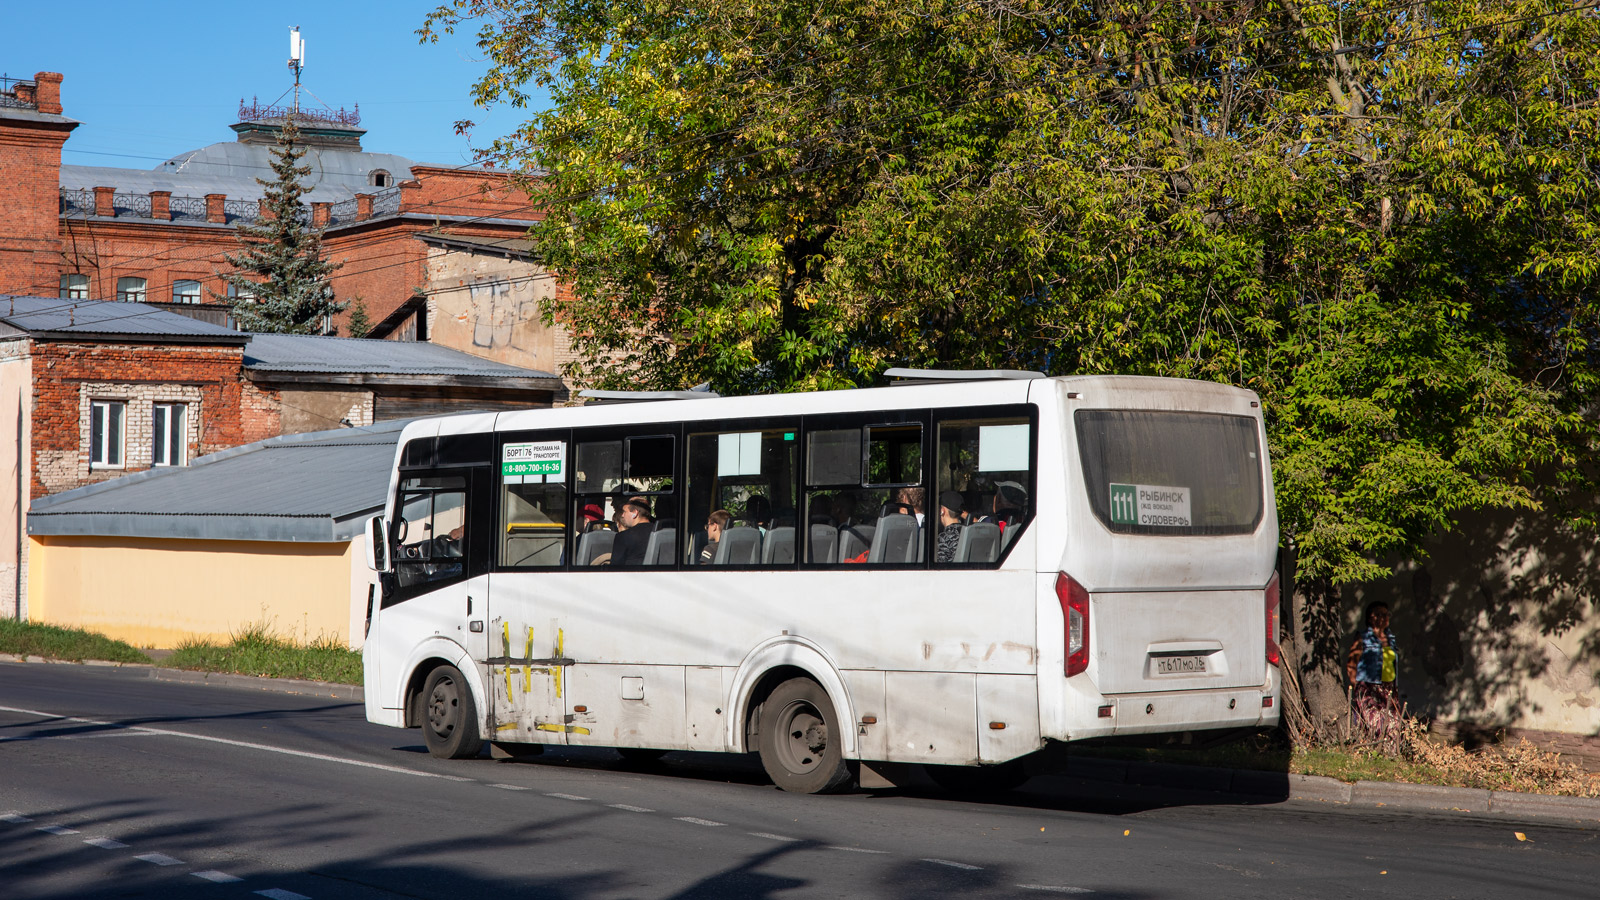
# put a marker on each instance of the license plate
(1180, 665)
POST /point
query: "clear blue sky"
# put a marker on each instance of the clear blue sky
(149, 80)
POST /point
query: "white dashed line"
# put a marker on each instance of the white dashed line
(248, 745)
(693, 821)
(638, 809)
(56, 829)
(773, 837)
(1055, 888)
(510, 787)
(15, 818)
(281, 894)
(857, 850)
(954, 865)
(566, 796)
(105, 843)
(215, 877)
(160, 859)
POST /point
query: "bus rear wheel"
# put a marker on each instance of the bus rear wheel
(799, 741)
(449, 717)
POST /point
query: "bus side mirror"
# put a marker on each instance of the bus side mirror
(377, 544)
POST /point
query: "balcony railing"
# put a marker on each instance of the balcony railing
(386, 203)
(77, 203)
(137, 205)
(253, 111)
(9, 92)
(343, 212)
(187, 209)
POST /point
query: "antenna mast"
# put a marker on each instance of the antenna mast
(297, 61)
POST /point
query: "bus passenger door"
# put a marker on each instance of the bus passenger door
(527, 664)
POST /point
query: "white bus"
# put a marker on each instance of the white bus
(549, 577)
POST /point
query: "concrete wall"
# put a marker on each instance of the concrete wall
(1500, 627)
(16, 403)
(154, 592)
(490, 306)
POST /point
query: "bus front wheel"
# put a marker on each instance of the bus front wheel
(450, 718)
(799, 741)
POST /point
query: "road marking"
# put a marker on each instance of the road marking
(281, 894)
(105, 843)
(215, 877)
(638, 809)
(56, 829)
(857, 850)
(160, 859)
(510, 787)
(954, 865)
(706, 822)
(566, 796)
(1055, 888)
(774, 837)
(248, 745)
(15, 818)
(72, 737)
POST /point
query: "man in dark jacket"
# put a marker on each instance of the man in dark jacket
(628, 549)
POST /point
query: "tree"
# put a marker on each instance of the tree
(359, 324)
(281, 280)
(1380, 216)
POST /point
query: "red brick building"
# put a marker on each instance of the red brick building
(158, 235)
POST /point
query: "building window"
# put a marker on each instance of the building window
(74, 286)
(235, 294)
(186, 292)
(169, 441)
(105, 433)
(379, 178)
(131, 290)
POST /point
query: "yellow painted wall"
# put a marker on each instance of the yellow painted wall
(159, 592)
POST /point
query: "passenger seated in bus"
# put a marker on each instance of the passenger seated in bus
(915, 499)
(592, 518)
(715, 523)
(950, 508)
(844, 510)
(758, 512)
(636, 522)
(1010, 502)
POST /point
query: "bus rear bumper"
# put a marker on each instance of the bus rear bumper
(1180, 711)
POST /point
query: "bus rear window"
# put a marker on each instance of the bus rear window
(1172, 473)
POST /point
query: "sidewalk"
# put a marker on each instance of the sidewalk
(1245, 784)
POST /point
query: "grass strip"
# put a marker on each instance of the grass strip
(28, 639)
(256, 651)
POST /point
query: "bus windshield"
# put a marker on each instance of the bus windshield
(1171, 473)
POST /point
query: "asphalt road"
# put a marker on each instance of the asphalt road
(116, 785)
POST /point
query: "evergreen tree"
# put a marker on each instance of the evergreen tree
(281, 283)
(359, 324)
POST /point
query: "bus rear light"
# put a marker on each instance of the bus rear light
(1074, 600)
(1274, 653)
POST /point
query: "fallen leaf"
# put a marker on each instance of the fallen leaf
(1127, 832)
(1520, 835)
(1384, 872)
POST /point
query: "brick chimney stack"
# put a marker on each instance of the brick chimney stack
(48, 94)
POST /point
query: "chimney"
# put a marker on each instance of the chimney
(48, 93)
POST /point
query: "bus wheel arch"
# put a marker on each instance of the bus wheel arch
(772, 664)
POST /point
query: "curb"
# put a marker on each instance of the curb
(1390, 795)
(220, 679)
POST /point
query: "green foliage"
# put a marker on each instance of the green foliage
(282, 280)
(56, 642)
(1379, 216)
(359, 324)
(256, 650)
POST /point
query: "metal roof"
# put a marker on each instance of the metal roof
(310, 353)
(232, 168)
(54, 317)
(520, 248)
(317, 487)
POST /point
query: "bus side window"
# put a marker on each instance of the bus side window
(866, 503)
(984, 467)
(430, 532)
(606, 475)
(750, 477)
(534, 529)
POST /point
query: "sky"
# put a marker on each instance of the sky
(149, 80)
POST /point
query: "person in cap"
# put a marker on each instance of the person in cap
(1010, 499)
(629, 547)
(593, 517)
(951, 505)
